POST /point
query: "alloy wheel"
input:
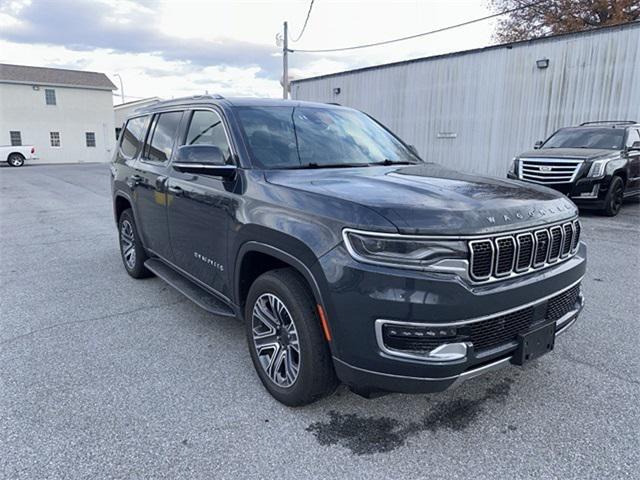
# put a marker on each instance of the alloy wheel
(128, 244)
(275, 339)
(616, 200)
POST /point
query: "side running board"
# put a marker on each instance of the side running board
(189, 289)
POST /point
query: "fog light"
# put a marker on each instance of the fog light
(419, 332)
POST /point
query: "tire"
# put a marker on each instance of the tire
(314, 376)
(615, 196)
(131, 249)
(15, 160)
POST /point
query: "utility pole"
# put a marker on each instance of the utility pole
(285, 63)
(121, 87)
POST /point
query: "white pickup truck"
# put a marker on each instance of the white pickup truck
(17, 155)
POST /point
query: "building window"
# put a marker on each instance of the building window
(55, 139)
(50, 96)
(118, 130)
(16, 138)
(91, 139)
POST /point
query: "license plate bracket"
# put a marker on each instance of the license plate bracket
(534, 344)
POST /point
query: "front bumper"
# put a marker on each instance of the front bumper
(357, 297)
(585, 192)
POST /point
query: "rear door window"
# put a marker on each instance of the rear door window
(162, 137)
(132, 136)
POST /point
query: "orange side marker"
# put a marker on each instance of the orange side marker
(323, 322)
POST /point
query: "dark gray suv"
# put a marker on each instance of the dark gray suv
(347, 257)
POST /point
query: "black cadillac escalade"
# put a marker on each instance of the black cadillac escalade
(347, 257)
(596, 164)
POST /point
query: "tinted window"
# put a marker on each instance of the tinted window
(281, 137)
(132, 136)
(632, 137)
(163, 133)
(606, 138)
(206, 128)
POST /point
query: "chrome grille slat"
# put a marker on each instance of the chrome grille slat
(576, 235)
(526, 249)
(568, 239)
(556, 243)
(548, 170)
(504, 256)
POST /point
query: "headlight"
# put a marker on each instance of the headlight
(514, 166)
(597, 168)
(400, 251)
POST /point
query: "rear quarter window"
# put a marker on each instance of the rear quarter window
(132, 136)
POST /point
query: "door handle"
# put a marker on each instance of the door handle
(134, 180)
(175, 190)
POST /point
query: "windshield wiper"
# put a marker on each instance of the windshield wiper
(332, 165)
(387, 162)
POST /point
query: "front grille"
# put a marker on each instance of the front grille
(507, 255)
(502, 329)
(559, 305)
(484, 334)
(548, 171)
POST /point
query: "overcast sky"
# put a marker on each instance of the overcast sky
(185, 47)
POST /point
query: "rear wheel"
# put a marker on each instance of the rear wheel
(131, 249)
(15, 160)
(285, 339)
(614, 198)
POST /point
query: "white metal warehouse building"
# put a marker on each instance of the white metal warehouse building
(475, 110)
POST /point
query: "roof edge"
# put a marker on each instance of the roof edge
(467, 52)
(59, 85)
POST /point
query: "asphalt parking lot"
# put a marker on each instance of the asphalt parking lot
(103, 376)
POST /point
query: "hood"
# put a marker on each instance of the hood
(431, 199)
(568, 153)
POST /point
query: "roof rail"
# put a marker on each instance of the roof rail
(614, 122)
(217, 96)
(334, 103)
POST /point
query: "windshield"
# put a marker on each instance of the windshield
(606, 138)
(298, 137)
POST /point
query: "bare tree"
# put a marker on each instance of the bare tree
(549, 17)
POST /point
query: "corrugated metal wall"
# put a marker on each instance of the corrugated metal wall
(475, 111)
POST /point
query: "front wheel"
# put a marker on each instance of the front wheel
(614, 198)
(15, 160)
(285, 339)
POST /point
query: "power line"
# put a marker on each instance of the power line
(450, 27)
(305, 22)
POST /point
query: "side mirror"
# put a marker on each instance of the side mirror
(202, 160)
(414, 150)
(634, 146)
(538, 144)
